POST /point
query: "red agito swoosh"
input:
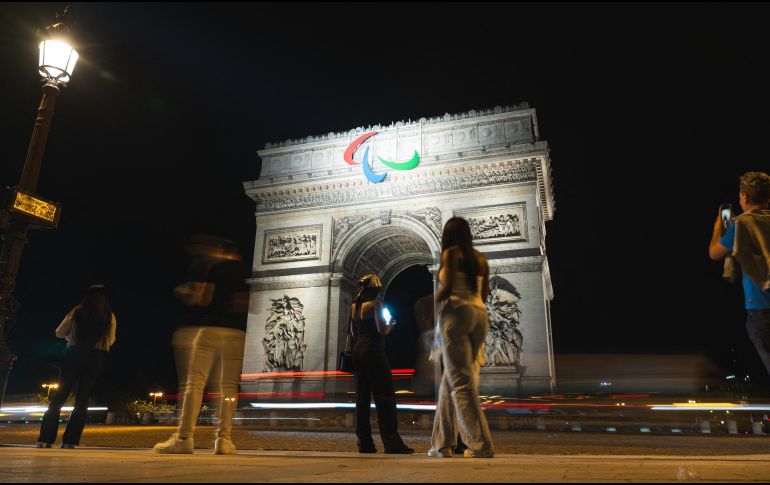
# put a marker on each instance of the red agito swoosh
(348, 156)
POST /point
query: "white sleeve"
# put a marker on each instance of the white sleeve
(113, 329)
(65, 327)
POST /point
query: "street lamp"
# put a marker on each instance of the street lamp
(154, 396)
(50, 386)
(21, 209)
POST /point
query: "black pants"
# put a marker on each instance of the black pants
(373, 376)
(79, 370)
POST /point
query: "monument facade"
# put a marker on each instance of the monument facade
(332, 208)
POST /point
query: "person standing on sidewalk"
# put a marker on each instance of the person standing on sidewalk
(217, 343)
(463, 287)
(89, 329)
(373, 374)
(747, 239)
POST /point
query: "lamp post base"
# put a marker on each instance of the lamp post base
(7, 357)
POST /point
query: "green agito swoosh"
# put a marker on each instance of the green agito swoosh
(408, 165)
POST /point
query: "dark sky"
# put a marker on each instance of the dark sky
(652, 112)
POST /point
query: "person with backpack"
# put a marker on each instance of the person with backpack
(747, 240)
(89, 329)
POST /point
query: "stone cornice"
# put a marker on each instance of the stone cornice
(516, 265)
(294, 281)
(472, 115)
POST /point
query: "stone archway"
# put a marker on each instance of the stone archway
(321, 224)
(385, 245)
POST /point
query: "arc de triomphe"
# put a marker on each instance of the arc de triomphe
(324, 217)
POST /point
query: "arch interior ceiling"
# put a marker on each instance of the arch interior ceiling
(385, 252)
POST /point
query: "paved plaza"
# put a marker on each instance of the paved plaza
(26, 464)
(123, 454)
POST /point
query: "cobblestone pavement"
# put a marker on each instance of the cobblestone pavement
(510, 442)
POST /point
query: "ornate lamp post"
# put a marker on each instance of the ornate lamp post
(21, 209)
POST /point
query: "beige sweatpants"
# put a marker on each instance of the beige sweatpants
(219, 348)
(463, 331)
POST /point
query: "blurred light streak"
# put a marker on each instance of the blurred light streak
(40, 409)
(315, 374)
(710, 407)
(336, 405)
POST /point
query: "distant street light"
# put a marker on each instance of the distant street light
(21, 209)
(50, 386)
(154, 396)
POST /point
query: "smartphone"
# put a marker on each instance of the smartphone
(726, 213)
(386, 315)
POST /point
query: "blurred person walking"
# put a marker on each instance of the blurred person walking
(89, 329)
(747, 240)
(463, 324)
(192, 314)
(218, 299)
(373, 374)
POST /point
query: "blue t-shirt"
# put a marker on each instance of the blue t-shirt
(756, 298)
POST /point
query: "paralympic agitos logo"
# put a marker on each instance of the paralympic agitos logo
(368, 172)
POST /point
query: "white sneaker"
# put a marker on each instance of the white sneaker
(175, 445)
(224, 446)
(443, 453)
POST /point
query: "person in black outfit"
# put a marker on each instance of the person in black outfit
(373, 371)
(89, 329)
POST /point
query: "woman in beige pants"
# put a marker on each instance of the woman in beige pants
(463, 288)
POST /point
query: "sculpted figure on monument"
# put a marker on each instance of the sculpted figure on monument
(284, 340)
(504, 340)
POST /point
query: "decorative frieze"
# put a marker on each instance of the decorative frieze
(467, 179)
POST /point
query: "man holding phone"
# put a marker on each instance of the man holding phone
(747, 239)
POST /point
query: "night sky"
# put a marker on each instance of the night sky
(652, 112)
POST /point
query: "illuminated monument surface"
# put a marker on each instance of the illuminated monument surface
(332, 208)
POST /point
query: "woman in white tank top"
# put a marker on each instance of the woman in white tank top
(463, 288)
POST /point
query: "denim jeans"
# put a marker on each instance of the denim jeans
(463, 331)
(80, 368)
(758, 326)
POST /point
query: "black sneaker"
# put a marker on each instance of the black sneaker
(42, 444)
(400, 451)
(68, 446)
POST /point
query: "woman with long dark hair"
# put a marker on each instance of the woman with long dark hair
(373, 376)
(89, 329)
(463, 288)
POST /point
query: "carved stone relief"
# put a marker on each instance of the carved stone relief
(342, 226)
(292, 244)
(496, 224)
(504, 340)
(431, 217)
(385, 216)
(284, 340)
